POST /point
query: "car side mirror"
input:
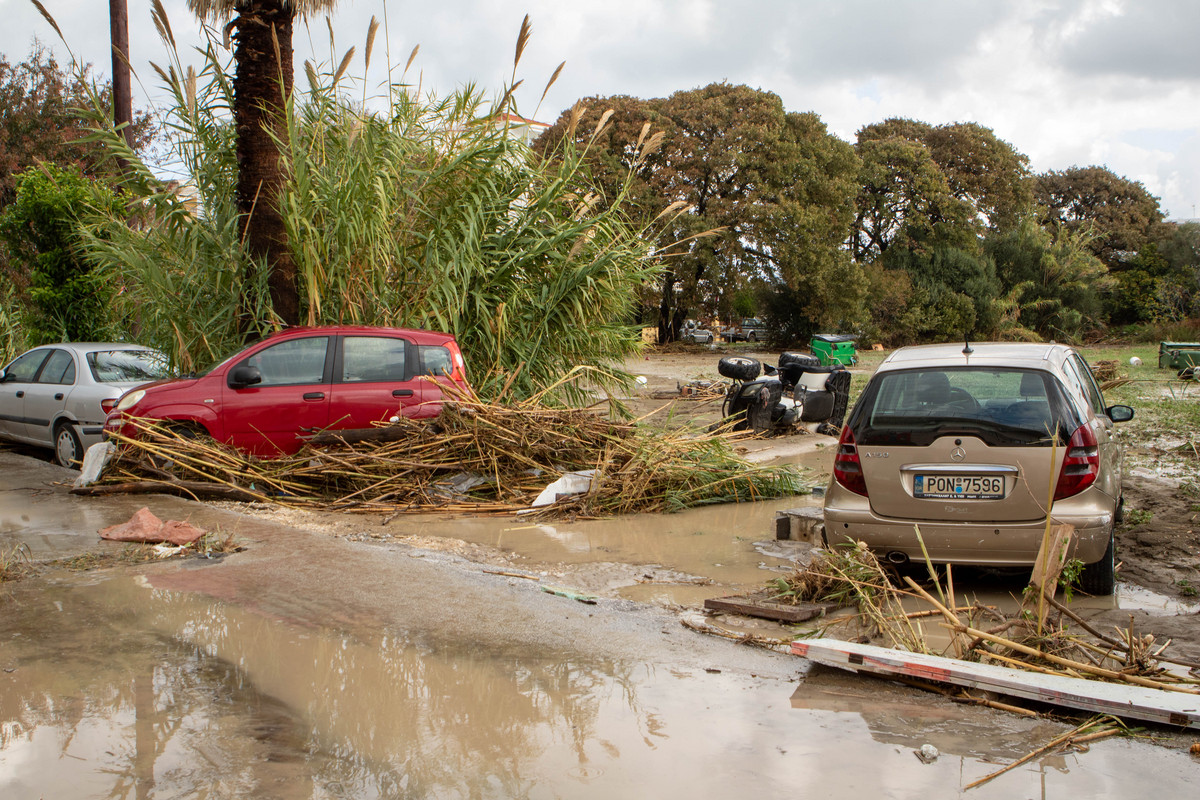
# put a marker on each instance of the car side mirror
(1119, 413)
(244, 375)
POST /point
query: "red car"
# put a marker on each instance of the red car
(270, 397)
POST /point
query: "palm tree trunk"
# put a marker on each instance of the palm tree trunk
(263, 54)
(118, 16)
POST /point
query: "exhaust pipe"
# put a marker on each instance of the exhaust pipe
(897, 558)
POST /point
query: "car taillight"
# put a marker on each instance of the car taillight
(847, 469)
(108, 404)
(1081, 464)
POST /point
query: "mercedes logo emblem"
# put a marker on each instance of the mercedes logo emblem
(958, 454)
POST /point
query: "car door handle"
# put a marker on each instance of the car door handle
(402, 393)
(58, 396)
(21, 394)
(314, 395)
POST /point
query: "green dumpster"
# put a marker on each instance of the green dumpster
(1178, 355)
(834, 348)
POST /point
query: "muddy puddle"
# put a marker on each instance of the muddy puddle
(672, 559)
(112, 689)
(315, 666)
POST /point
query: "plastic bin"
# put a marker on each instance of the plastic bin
(1178, 355)
(834, 348)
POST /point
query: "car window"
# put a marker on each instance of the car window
(59, 368)
(296, 361)
(118, 366)
(436, 360)
(24, 368)
(1001, 405)
(1084, 381)
(1075, 384)
(373, 359)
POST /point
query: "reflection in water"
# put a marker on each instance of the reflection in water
(115, 690)
(155, 690)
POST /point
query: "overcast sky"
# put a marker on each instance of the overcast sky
(1108, 82)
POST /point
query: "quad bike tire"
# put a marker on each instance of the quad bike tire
(739, 368)
(803, 359)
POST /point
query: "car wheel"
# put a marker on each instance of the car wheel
(1099, 579)
(751, 337)
(739, 368)
(68, 450)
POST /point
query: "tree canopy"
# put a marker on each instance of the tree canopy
(1119, 214)
(40, 120)
(768, 193)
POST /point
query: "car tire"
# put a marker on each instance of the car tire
(191, 431)
(739, 368)
(803, 359)
(751, 337)
(68, 449)
(1099, 579)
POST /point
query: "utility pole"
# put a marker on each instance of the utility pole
(118, 14)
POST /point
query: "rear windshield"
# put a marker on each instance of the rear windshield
(1001, 406)
(127, 366)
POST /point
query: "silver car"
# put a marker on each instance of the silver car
(59, 395)
(976, 446)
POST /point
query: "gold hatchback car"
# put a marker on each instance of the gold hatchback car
(976, 445)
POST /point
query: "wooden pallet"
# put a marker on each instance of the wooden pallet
(760, 607)
(1121, 700)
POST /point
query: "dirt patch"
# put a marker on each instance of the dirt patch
(1159, 542)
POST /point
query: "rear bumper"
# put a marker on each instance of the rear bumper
(848, 516)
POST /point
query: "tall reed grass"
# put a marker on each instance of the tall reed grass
(404, 210)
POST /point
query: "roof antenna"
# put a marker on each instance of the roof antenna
(967, 347)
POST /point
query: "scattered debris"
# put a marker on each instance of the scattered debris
(94, 460)
(146, 528)
(1180, 707)
(769, 608)
(1039, 656)
(1107, 370)
(702, 390)
(1090, 731)
(417, 465)
(569, 485)
(15, 562)
(701, 625)
(927, 754)
(570, 594)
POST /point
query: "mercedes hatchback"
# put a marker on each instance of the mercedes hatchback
(976, 446)
(272, 396)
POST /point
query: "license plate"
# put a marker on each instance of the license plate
(959, 487)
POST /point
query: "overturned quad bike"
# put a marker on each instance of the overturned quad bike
(798, 391)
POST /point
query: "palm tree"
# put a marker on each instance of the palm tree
(262, 35)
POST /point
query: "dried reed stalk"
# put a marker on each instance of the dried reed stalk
(509, 453)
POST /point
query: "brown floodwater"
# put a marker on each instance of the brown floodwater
(315, 667)
(111, 688)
